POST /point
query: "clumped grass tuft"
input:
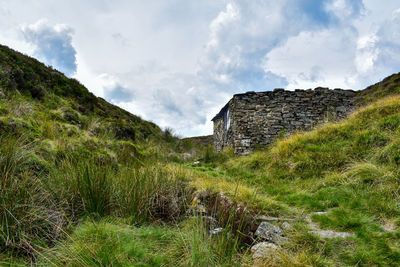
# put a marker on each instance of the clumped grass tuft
(110, 242)
(93, 187)
(194, 246)
(26, 212)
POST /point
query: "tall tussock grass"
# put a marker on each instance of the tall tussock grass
(26, 211)
(38, 203)
(92, 187)
(111, 242)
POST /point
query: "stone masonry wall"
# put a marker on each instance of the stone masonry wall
(256, 119)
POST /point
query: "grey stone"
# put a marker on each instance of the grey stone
(268, 231)
(216, 231)
(264, 250)
(331, 234)
(251, 120)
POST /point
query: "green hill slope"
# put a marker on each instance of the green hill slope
(388, 86)
(348, 169)
(85, 183)
(53, 91)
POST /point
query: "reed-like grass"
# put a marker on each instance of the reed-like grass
(111, 242)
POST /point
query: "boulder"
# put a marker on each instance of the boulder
(269, 232)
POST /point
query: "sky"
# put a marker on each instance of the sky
(177, 62)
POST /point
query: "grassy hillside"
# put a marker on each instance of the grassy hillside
(53, 91)
(84, 183)
(388, 86)
(349, 169)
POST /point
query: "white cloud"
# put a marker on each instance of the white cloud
(223, 20)
(53, 44)
(303, 60)
(177, 62)
(367, 53)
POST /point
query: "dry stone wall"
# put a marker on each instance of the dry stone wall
(256, 119)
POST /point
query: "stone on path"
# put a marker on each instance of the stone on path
(331, 234)
(324, 233)
(269, 232)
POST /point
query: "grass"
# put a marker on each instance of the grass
(349, 169)
(84, 183)
(111, 242)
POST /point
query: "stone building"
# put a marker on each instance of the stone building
(252, 120)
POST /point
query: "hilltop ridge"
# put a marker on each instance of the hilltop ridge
(28, 76)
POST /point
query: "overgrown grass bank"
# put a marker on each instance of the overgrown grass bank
(113, 243)
(351, 170)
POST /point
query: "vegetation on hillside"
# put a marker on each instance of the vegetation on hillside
(84, 183)
(349, 169)
(387, 87)
(79, 177)
(29, 77)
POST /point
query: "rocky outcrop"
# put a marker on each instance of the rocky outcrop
(256, 119)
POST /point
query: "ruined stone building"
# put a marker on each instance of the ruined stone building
(252, 120)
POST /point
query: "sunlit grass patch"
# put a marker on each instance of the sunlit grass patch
(109, 244)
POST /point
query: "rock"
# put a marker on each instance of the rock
(186, 156)
(264, 250)
(216, 231)
(286, 226)
(331, 234)
(269, 232)
(210, 222)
